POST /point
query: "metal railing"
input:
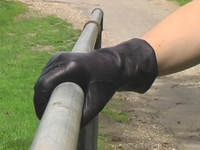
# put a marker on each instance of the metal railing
(59, 128)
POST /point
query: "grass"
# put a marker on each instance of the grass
(103, 142)
(26, 44)
(114, 111)
(182, 2)
(117, 116)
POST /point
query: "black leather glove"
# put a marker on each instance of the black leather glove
(129, 66)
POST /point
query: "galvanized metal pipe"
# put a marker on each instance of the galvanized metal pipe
(60, 124)
(59, 128)
(88, 38)
(89, 134)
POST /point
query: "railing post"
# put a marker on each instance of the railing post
(60, 124)
(89, 135)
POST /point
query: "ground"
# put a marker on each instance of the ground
(166, 117)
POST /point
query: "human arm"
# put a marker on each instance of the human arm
(176, 39)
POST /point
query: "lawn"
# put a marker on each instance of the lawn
(183, 2)
(27, 42)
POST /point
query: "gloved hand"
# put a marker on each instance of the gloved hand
(129, 66)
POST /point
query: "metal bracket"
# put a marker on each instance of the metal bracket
(95, 22)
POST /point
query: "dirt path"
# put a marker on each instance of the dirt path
(167, 116)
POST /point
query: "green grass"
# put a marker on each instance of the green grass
(26, 44)
(114, 111)
(117, 116)
(7, 16)
(183, 2)
(103, 143)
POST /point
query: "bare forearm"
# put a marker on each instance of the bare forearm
(176, 39)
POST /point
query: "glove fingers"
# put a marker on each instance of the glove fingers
(98, 94)
(55, 62)
(43, 89)
(63, 67)
(46, 84)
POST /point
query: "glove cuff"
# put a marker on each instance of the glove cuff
(139, 65)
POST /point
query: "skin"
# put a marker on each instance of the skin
(176, 39)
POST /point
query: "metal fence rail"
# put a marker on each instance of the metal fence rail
(59, 128)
